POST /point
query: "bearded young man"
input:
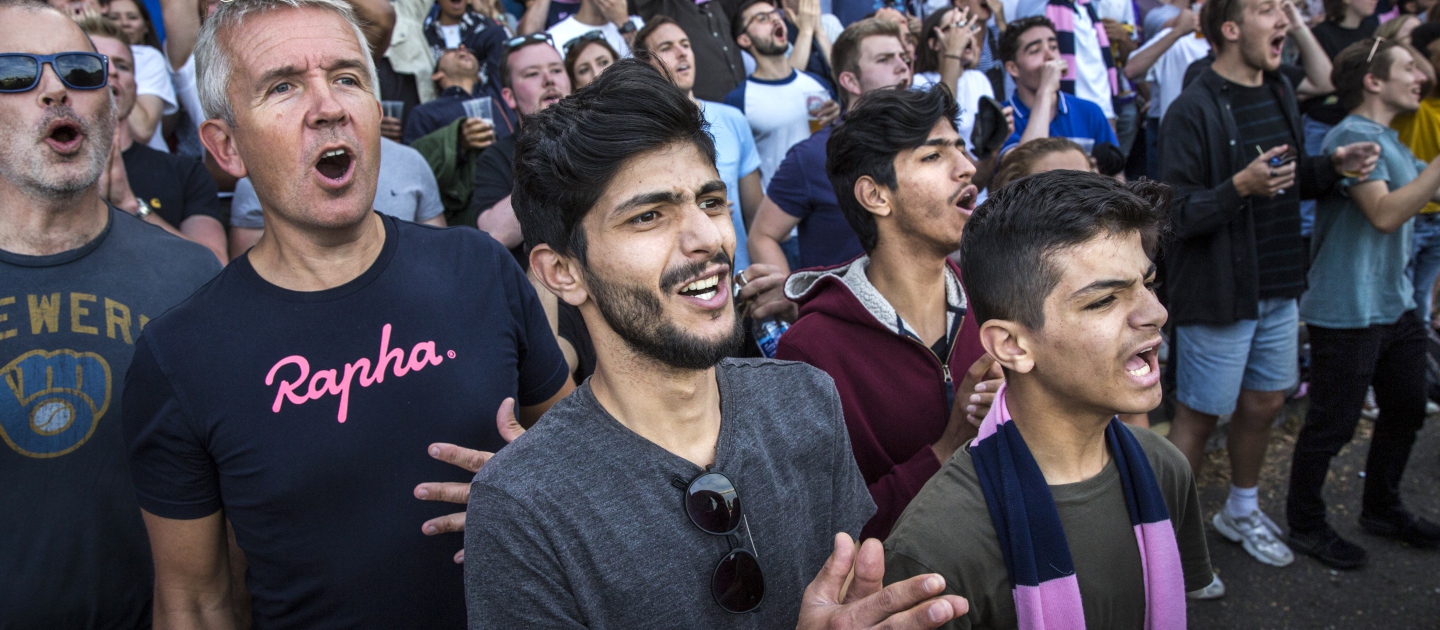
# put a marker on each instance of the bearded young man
(623, 507)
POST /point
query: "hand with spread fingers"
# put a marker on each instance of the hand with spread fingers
(918, 602)
(471, 460)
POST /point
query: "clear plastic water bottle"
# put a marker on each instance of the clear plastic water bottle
(767, 331)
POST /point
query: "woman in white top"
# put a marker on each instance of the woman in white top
(155, 94)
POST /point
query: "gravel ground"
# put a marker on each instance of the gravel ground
(1400, 589)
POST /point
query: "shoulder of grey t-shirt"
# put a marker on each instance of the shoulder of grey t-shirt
(405, 167)
(245, 207)
(187, 263)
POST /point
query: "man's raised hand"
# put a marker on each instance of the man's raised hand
(471, 460)
(914, 603)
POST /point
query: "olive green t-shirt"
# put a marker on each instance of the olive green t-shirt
(947, 530)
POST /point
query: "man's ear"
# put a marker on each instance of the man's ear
(1012, 69)
(559, 274)
(509, 97)
(1231, 32)
(1371, 83)
(873, 197)
(219, 141)
(743, 41)
(1009, 343)
(851, 83)
(437, 79)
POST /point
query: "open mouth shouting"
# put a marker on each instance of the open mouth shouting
(1277, 45)
(551, 97)
(965, 200)
(335, 167)
(65, 136)
(1143, 366)
(707, 291)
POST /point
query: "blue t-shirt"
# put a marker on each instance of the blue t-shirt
(801, 188)
(1075, 118)
(1357, 273)
(735, 157)
(305, 416)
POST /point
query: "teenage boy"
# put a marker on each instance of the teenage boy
(903, 180)
(775, 98)
(1057, 510)
(1360, 313)
(1030, 50)
(674, 485)
(868, 56)
(79, 278)
(1237, 264)
(1084, 47)
(247, 440)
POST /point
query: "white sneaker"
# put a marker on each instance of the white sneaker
(1371, 410)
(1431, 408)
(1215, 590)
(1257, 534)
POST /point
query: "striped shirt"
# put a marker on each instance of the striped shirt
(1280, 254)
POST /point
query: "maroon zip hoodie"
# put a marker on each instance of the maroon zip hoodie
(892, 387)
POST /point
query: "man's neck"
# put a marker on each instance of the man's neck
(589, 14)
(1376, 110)
(678, 410)
(771, 67)
(464, 83)
(35, 224)
(293, 258)
(1352, 19)
(446, 20)
(1029, 97)
(1231, 65)
(122, 134)
(914, 285)
(1068, 445)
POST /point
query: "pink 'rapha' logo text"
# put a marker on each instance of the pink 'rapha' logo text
(330, 382)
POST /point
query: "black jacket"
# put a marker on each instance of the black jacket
(1211, 268)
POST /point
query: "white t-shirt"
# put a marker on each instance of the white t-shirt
(1167, 76)
(570, 28)
(973, 84)
(152, 76)
(1092, 82)
(451, 33)
(777, 115)
(187, 92)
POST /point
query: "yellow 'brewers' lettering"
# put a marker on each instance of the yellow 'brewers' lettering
(6, 334)
(77, 311)
(44, 312)
(117, 315)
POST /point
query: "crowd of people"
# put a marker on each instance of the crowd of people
(913, 277)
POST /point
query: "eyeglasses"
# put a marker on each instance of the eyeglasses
(1374, 47)
(526, 40)
(768, 16)
(713, 505)
(589, 36)
(20, 72)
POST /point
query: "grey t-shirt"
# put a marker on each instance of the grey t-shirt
(406, 190)
(581, 522)
(72, 545)
(947, 530)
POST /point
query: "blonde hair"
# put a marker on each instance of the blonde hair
(97, 25)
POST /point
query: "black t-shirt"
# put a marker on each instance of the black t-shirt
(262, 402)
(1335, 38)
(1280, 254)
(495, 180)
(175, 187)
(73, 550)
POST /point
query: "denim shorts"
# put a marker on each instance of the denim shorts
(1214, 363)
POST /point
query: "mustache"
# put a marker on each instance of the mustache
(67, 114)
(678, 274)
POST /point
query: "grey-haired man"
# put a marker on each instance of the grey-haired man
(296, 395)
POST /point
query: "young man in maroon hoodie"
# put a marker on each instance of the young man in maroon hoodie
(891, 327)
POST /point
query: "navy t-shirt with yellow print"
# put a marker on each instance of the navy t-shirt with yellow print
(73, 549)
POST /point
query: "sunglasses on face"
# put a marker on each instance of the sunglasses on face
(589, 36)
(713, 505)
(20, 72)
(523, 40)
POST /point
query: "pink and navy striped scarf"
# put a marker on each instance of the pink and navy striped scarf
(1047, 595)
(1062, 14)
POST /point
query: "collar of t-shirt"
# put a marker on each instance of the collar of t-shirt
(387, 253)
(794, 74)
(1022, 111)
(454, 91)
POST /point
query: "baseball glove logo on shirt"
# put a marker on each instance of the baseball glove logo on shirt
(57, 398)
(336, 382)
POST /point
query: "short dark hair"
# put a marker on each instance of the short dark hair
(653, 24)
(568, 153)
(1006, 254)
(1010, 39)
(880, 125)
(1216, 13)
(504, 68)
(1353, 63)
(737, 25)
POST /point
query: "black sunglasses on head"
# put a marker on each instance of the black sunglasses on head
(713, 505)
(589, 36)
(525, 40)
(20, 72)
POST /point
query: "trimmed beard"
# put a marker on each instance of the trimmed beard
(637, 316)
(35, 172)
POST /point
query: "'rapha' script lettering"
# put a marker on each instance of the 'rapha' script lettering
(336, 382)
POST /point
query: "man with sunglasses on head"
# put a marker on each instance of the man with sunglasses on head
(298, 398)
(532, 77)
(1229, 145)
(79, 278)
(676, 488)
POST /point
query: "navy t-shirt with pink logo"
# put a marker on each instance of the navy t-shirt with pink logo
(305, 417)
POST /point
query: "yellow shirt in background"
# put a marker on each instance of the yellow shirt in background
(1421, 132)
